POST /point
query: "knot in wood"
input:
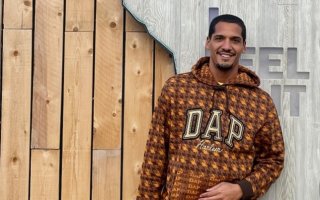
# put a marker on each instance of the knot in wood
(27, 3)
(15, 159)
(113, 24)
(15, 53)
(75, 29)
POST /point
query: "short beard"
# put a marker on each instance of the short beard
(224, 67)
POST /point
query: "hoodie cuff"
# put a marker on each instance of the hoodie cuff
(246, 188)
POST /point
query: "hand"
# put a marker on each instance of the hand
(223, 191)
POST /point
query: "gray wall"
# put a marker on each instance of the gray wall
(284, 49)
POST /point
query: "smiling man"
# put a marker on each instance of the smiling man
(215, 134)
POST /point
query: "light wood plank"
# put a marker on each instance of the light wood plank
(15, 108)
(47, 74)
(108, 75)
(132, 25)
(44, 174)
(17, 14)
(79, 15)
(164, 69)
(106, 174)
(138, 108)
(76, 158)
(189, 52)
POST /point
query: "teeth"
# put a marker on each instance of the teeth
(225, 56)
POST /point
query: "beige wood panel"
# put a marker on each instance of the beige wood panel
(108, 75)
(164, 69)
(79, 15)
(106, 174)
(44, 179)
(17, 14)
(47, 74)
(138, 107)
(76, 157)
(132, 25)
(15, 113)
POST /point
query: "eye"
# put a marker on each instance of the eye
(236, 40)
(218, 38)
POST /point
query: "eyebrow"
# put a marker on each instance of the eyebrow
(232, 37)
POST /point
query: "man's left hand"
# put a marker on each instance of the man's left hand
(223, 191)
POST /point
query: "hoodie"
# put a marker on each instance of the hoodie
(204, 133)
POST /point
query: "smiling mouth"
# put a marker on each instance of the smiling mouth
(226, 55)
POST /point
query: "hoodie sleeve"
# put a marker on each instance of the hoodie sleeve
(153, 172)
(269, 158)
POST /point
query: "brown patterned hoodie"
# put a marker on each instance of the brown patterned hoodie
(204, 133)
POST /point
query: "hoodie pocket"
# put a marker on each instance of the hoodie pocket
(188, 185)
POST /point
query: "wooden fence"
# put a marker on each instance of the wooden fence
(78, 85)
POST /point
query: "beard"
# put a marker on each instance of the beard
(224, 67)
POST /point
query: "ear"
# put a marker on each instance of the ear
(244, 47)
(207, 43)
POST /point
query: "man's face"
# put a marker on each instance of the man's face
(226, 45)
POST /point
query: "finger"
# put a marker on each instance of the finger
(210, 198)
(215, 187)
(210, 193)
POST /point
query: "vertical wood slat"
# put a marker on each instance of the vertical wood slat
(164, 69)
(15, 108)
(138, 107)
(133, 25)
(79, 15)
(108, 75)
(44, 175)
(47, 74)
(76, 157)
(17, 14)
(106, 174)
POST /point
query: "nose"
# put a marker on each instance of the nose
(226, 45)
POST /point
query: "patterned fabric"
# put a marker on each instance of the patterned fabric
(203, 133)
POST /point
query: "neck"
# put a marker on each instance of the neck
(223, 75)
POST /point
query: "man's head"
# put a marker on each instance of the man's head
(229, 19)
(226, 42)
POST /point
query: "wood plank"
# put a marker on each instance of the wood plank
(132, 25)
(44, 174)
(106, 174)
(79, 15)
(138, 107)
(164, 69)
(17, 14)
(76, 158)
(15, 108)
(108, 75)
(189, 52)
(47, 74)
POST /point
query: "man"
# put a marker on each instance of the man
(215, 134)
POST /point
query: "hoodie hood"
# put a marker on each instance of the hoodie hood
(245, 77)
